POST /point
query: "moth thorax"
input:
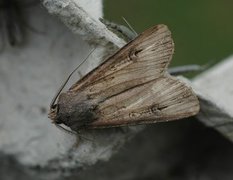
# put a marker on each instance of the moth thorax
(75, 111)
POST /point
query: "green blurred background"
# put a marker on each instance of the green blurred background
(202, 29)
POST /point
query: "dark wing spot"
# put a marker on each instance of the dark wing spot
(133, 54)
(156, 109)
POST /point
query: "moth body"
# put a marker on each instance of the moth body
(74, 110)
(131, 87)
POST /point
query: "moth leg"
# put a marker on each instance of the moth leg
(81, 137)
(65, 130)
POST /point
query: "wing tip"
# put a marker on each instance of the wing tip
(157, 28)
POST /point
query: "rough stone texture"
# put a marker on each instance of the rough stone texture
(82, 21)
(30, 76)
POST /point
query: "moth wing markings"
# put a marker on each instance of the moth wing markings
(163, 99)
(140, 61)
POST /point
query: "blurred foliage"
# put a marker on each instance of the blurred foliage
(202, 30)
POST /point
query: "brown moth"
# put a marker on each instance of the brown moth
(131, 87)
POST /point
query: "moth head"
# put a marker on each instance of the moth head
(53, 113)
(56, 116)
(53, 116)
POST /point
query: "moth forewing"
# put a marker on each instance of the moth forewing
(131, 87)
(154, 46)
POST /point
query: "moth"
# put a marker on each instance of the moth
(131, 87)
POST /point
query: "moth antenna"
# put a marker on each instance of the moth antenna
(64, 129)
(68, 78)
(72, 132)
(82, 137)
(130, 27)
